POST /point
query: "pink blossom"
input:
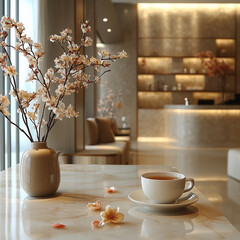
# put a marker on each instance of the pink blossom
(94, 206)
(96, 223)
(110, 189)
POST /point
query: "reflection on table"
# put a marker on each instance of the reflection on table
(23, 217)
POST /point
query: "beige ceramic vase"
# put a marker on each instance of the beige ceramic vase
(40, 173)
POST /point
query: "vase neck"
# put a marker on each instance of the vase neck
(39, 145)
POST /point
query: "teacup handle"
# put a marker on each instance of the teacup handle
(191, 185)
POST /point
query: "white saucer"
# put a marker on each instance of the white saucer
(185, 200)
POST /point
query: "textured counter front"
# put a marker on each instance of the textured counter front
(25, 218)
(203, 126)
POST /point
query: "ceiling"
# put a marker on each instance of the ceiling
(175, 1)
(105, 9)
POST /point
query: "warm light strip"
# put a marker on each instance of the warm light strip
(225, 112)
(183, 5)
(226, 42)
(155, 139)
(197, 77)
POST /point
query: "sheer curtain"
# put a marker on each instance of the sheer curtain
(25, 11)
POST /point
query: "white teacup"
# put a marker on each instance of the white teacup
(165, 187)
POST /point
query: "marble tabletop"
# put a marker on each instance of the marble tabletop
(23, 217)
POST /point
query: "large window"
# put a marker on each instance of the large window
(24, 11)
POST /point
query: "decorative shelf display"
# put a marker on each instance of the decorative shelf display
(167, 60)
(156, 72)
(169, 38)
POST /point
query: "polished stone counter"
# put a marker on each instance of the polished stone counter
(203, 126)
(210, 107)
(22, 217)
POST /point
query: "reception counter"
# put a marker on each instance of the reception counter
(203, 125)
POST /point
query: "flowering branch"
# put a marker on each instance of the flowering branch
(66, 79)
(7, 117)
(214, 66)
(10, 73)
(110, 102)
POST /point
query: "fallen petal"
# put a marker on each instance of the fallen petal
(118, 218)
(110, 189)
(94, 206)
(58, 225)
(96, 223)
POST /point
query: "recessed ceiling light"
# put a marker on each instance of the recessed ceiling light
(109, 29)
(105, 19)
(100, 45)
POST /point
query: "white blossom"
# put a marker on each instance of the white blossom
(60, 89)
(10, 70)
(6, 22)
(87, 42)
(122, 54)
(70, 112)
(4, 103)
(104, 53)
(63, 79)
(59, 111)
(86, 27)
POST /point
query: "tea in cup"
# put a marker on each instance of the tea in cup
(165, 187)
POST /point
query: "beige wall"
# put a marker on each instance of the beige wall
(55, 16)
(122, 78)
(238, 48)
(90, 92)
